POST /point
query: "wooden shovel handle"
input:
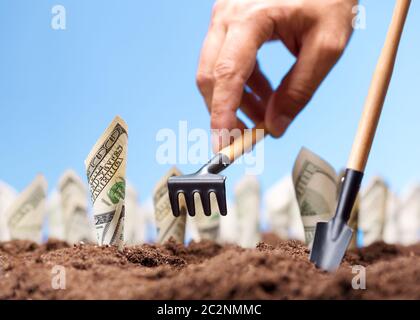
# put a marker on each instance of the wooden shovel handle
(245, 142)
(378, 88)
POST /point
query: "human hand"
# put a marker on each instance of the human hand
(315, 32)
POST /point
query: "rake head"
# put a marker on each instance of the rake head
(204, 182)
(203, 185)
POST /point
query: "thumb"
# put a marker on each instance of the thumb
(315, 60)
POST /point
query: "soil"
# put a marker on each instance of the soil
(275, 269)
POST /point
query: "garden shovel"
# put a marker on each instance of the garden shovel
(332, 238)
(207, 180)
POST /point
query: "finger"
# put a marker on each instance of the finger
(223, 137)
(259, 84)
(315, 60)
(210, 51)
(253, 107)
(233, 68)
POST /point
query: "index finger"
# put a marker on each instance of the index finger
(234, 66)
(208, 57)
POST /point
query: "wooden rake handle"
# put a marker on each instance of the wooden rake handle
(245, 142)
(378, 89)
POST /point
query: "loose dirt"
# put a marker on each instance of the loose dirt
(275, 269)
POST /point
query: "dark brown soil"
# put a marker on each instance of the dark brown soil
(204, 270)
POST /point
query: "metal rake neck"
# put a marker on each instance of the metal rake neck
(216, 165)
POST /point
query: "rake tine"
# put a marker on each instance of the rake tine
(189, 200)
(205, 202)
(221, 201)
(208, 178)
(174, 199)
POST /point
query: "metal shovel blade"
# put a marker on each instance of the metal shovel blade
(332, 238)
(330, 244)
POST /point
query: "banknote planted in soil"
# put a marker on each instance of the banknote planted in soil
(275, 269)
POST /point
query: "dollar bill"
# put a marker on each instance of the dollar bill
(106, 174)
(167, 225)
(55, 216)
(283, 210)
(134, 230)
(372, 210)
(315, 182)
(148, 220)
(4, 229)
(25, 215)
(74, 207)
(296, 229)
(207, 227)
(248, 203)
(7, 196)
(229, 226)
(409, 215)
(391, 232)
(191, 232)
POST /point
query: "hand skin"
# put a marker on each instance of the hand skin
(315, 31)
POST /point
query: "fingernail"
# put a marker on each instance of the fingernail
(279, 125)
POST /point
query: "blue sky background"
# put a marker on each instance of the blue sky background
(60, 89)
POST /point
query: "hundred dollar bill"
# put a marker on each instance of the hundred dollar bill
(283, 210)
(106, 174)
(130, 214)
(167, 225)
(148, 220)
(74, 206)
(229, 229)
(372, 211)
(191, 232)
(207, 227)
(296, 230)
(409, 215)
(134, 230)
(315, 183)
(391, 230)
(55, 216)
(26, 215)
(4, 229)
(248, 202)
(7, 196)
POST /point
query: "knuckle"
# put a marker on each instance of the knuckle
(218, 13)
(204, 80)
(218, 6)
(255, 10)
(299, 95)
(246, 12)
(225, 70)
(216, 116)
(333, 46)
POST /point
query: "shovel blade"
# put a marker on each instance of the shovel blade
(329, 246)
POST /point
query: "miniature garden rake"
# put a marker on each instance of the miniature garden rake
(208, 180)
(332, 238)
